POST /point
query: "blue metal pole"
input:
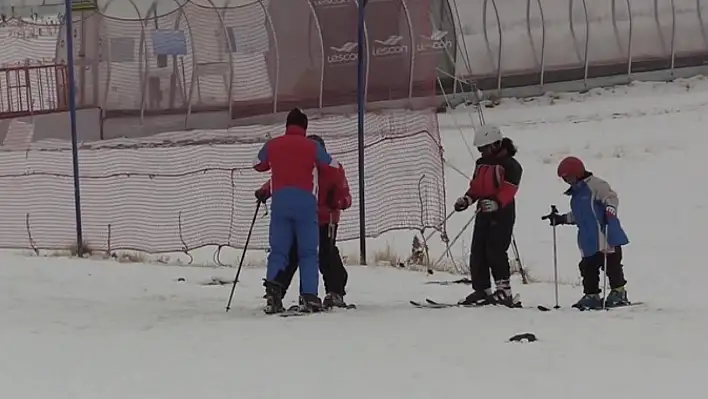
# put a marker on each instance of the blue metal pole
(72, 119)
(361, 101)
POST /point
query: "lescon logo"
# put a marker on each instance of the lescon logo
(344, 54)
(329, 3)
(437, 41)
(390, 46)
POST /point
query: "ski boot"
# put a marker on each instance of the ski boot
(477, 298)
(332, 300)
(310, 303)
(274, 298)
(589, 302)
(617, 297)
(503, 296)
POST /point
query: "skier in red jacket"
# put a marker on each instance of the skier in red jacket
(493, 187)
(296, 164)
(334, 196)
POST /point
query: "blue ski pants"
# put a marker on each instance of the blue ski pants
(294, 214)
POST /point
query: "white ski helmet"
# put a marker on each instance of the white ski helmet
(486, 135)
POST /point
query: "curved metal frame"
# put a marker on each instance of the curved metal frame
(586, 50)
(528, 31)
(368, 57)
(613, 11)
(229, 90)
(672, 43)
(618, 36)
(630, 40)
(109, 64)
(658, 26)
(452, 58)
(411, 60)
(276, 89)
(673, 35)
(322, 58)
(486, 39)
(700, 20)
(543, 38)
(571, 25)
(587, 43)
(192, 80)
(145, 63)
(461, 45)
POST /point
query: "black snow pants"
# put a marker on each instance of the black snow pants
(490, 242)
(332, 268)
(590, 271)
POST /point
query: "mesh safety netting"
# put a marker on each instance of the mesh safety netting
(199, 66)
(179, 191)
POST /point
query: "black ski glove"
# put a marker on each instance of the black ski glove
(262, 195)
(463, 203)
(556, 219)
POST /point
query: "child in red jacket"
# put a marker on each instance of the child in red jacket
(493, 187)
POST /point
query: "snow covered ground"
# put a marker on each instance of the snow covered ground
(80, 329)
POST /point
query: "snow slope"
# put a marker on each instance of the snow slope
(98, 329)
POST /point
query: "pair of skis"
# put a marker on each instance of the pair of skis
(294, 311)
(430, 304)
(585, 309)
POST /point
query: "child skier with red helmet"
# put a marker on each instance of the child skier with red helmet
(593, 206)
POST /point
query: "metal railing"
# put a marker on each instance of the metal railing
(32, 89)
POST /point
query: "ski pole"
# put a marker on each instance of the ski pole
(515, 248)
(555, 261)
(449, 215)
(243, 255)
(606, 244)
(443, 237)
(454, 240)
(554, 211)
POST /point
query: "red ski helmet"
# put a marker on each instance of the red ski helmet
(571, 167)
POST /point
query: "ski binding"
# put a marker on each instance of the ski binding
(611, 307)
(294, 311)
